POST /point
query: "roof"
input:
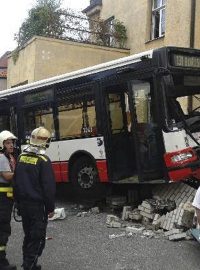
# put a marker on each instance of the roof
(4, 60)
(3, 72)
(79, 73)
(93, 3)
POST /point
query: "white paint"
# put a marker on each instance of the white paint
(63, 150)
(174, 141)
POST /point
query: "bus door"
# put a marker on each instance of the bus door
(121, 145)
(146, 131)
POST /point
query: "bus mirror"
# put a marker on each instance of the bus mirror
(3, 99)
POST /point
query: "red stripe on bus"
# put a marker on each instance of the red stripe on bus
(61, 171)
(103, 171)
(56, 169)
(64, 167)
(184, 174)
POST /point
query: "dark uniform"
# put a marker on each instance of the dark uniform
(34, 192)
(6, 204)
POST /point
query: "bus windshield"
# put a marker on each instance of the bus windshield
(184, 105)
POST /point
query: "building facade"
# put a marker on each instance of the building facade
(152, 23)
(3, 71)
(43, 57)
(149, 24)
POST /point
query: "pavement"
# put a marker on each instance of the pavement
(83, 243)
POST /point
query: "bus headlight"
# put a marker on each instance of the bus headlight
(181, 157)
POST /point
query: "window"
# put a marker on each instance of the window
(77, 117)
(158, 18)
(142, 99)
(36, 117)
(4, 122)
(116, 114)
(110, 28)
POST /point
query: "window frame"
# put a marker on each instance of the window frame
(160, 9)
(110, 24)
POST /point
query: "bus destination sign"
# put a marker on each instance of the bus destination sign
(46, 95)
(182, 60)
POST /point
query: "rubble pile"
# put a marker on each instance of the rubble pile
(168, 212)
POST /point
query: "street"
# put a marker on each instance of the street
(83, 243)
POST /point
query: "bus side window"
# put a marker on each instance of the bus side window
(4, 122)
(36, 117)
(77, 118)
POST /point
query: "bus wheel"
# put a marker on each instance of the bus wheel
(84, 174)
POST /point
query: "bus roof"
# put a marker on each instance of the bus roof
(78, 73)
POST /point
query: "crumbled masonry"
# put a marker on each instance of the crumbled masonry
(169, 212)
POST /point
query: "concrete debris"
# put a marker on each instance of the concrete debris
(116, 201)
(112, 236)
(114, 224)
(146, 221)
(178, 236)
(111, 218)
(178, 192)
(59, 213)
(112, 221)
(95, 210)
(135, 215)
(148, 233)
(125, 213)
(168, 213)
(134, 229)
(82, 214)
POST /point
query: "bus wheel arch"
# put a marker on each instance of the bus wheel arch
(83, 171)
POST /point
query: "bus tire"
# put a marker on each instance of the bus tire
(84, 175)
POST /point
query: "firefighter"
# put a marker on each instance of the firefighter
(34, 192)
(7, 166)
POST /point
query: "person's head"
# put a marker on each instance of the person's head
(7, 140)
(40, 137)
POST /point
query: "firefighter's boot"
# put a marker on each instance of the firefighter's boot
(35, 267)
(4, 265)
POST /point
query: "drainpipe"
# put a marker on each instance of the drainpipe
(192, 23)
(192, 40)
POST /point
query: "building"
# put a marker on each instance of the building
(152, 23)
(149, 24)
(3, 71)
(43, 57)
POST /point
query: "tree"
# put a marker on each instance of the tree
(44, 19)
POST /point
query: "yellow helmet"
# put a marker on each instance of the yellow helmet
(40, 137)
(6, 135)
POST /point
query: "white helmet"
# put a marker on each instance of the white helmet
(6, 135)
(40, 137)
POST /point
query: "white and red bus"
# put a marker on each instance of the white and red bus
(131, 120)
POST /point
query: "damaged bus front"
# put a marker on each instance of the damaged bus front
(181, 96)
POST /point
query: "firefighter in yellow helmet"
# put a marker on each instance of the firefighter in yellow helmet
(34, 192)
(7, 166)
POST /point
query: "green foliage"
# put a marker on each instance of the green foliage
(44, 19)
(108, 34)
(119, 33)
(15, 55)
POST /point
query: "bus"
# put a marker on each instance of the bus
(131, 120)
